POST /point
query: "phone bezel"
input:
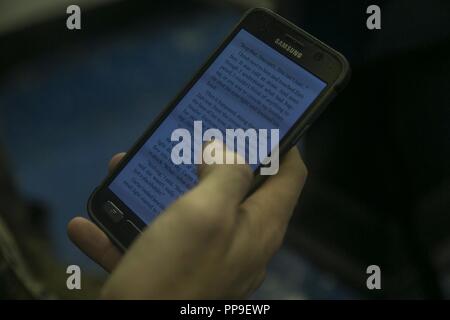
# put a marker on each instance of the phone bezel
(267, 26)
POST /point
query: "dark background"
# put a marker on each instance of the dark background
(378, 158)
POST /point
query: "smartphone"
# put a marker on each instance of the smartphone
(267, 74)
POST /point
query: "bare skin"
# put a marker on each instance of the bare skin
(209, 244)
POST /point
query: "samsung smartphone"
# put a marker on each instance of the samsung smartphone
(267, 74)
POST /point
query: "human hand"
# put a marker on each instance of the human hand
(208, 244)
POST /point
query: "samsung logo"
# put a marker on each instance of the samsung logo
(296, 53)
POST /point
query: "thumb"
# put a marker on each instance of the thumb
(223, 175)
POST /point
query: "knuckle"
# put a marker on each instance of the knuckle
(270, 239)
(270, 235)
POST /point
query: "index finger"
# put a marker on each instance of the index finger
(224, 184)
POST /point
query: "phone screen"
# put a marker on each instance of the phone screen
(249, 85)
